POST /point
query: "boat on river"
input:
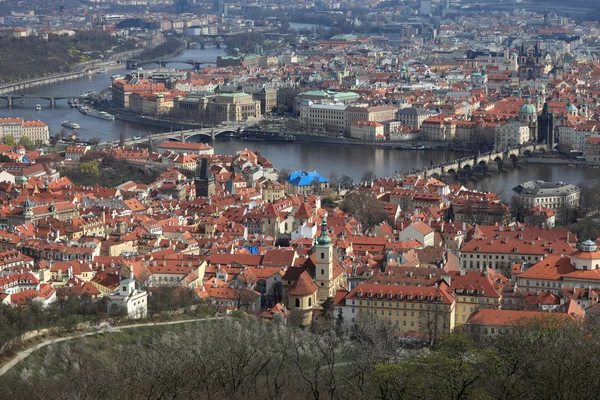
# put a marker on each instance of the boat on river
(100, 114)
(70, 124)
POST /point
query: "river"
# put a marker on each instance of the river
(348, 160)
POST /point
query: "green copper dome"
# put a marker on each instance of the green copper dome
(571, 107)
(323, 239)
(527, 109)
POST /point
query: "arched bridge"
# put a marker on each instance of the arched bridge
(485, 161)
(53, 99)
(134, 64)
(180, 136)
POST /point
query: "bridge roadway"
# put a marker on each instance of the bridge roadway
(12, 97)
(180, 136)
(194, 63)
(484, 161)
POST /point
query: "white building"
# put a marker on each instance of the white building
(134, 301)
(552, 195)
(576, 136)
(420, 232)
(304, 231)
(511, 134)
(37, 131)
(323, 116)
(367, 130)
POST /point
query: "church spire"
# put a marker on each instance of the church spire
(323, 239)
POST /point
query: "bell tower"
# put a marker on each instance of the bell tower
(324, 262)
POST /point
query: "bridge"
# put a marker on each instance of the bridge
(480, 162)
(180, 136)
(10, 98)
(133, 64)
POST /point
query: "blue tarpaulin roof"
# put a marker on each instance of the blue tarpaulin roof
(302, 178)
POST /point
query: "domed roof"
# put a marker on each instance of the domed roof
(571, 107)
(542, 85)
(236, 50)
(527, 108)
(588, 243)
(23, 179)
(27, 203)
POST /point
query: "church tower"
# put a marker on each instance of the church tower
(205, 183)
(28, 209)
(324, 263)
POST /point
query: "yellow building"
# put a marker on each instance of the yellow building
(302, 299)
(472, 292)
(233, 107)
(272, 191)
(415, 309)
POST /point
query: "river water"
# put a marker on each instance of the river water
(348, 160)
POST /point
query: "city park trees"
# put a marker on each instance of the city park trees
(244, 358)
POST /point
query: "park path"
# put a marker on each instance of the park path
(107, 329)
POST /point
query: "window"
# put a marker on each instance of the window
(322, 256)
(309, 301)
(297, 302)
(124, 288)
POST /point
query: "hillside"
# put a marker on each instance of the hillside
(32, 57)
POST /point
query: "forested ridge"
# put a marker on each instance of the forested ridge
(250, 359)
(30, 57)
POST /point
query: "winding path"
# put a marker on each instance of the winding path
(108, 329)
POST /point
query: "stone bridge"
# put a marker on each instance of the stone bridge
(131, 64)
(180, 136)
(10, 98)
(494, 160)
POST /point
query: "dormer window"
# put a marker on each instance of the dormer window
(389, 296)
(399, 296)
(439, 299)
(420, 297)
(409, 297)
(359, 294)
(378, 295)
(480, 291)
(429, 298)
(369, 295)
(469, 291)
(459, 291)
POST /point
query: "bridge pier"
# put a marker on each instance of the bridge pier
(218, 45)
(52, 102)
(202, 45)
(9, 99)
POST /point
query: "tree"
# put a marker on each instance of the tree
(517, 209)
(346, 182)
(89, 168)
(283, 174)
(449, 214)
(94, 141)
(565, 148)
(9, 140)
(26, 142)
(122, 139)
(333, 179)
(366, 208)
(368, 176)
(316, 185)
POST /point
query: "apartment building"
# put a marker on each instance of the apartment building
(414, 309)
(37, 131)
(511, 134)
(323, 116)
